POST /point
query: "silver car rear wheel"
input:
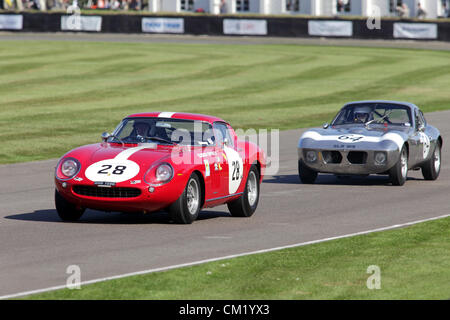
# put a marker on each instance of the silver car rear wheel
(432, 168)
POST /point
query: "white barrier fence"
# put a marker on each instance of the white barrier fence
(243, 27)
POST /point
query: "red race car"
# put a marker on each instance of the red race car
(179, 162)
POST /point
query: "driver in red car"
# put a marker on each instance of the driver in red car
(141, 129)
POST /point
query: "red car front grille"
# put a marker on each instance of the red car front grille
(101, 192)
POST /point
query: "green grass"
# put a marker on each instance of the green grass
(414, 264)
(57, 95)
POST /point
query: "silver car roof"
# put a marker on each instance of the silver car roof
(409, 104)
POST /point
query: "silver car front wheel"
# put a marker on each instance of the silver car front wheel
(399, 172)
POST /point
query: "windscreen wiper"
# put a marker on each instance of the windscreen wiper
(160, 139)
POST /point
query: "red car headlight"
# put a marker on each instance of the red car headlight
(67, 168)
(159, 174)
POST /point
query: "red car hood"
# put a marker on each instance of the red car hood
(143, 155)
(93, 158)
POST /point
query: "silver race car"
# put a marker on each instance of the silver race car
(372, 137)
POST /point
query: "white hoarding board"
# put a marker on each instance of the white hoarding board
(81, 23)
(245, 27)
(163, 25)
(11, 21)
(415, 30)
(330, 28)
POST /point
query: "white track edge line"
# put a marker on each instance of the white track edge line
(188, 264)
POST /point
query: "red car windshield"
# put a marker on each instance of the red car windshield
(163, 131)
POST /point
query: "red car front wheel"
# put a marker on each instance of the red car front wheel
(67, 211)
(186, 209)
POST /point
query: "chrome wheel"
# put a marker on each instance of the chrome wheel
(193, 196)
(404, 164)
(252, 188)
(437, 159)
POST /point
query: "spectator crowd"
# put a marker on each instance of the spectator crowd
(402, 10)
(64, 4)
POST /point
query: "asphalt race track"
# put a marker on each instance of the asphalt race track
(36, 247)
(242, 40)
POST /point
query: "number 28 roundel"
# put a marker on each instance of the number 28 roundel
(235, 170)
(111, 170)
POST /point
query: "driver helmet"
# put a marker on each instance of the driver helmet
(362, 114)
(141, 128)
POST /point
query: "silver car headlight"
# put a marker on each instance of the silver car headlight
(380, 158)
(311, 156)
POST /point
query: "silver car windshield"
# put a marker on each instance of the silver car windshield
(374, 113)
(163, 131)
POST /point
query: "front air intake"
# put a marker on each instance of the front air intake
(101, 192)
(332, 156)
(357, 157)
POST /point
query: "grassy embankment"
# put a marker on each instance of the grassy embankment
(59, 95)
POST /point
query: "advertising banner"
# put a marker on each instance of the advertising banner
(163, 25)
(245, 27)
(11, 21)
(330, 28)
(81, 23)
(415, 30)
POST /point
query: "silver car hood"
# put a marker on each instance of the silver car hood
(358, 136)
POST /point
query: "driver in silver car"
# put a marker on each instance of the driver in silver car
(362, 114)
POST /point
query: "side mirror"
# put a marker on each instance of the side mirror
(226, 142)
(105, 136)
(326, 125)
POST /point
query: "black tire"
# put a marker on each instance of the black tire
(432, 168)
(398, 173)
(246, 204)
(184, 210)
(342, 177)
(67, 211)
(306, 175)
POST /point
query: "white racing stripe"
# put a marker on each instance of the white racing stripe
(394, 137)
(166, 114)
(396, 226)
(124, 155)
(118, 169)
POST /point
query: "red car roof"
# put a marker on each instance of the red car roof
(177, 115)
